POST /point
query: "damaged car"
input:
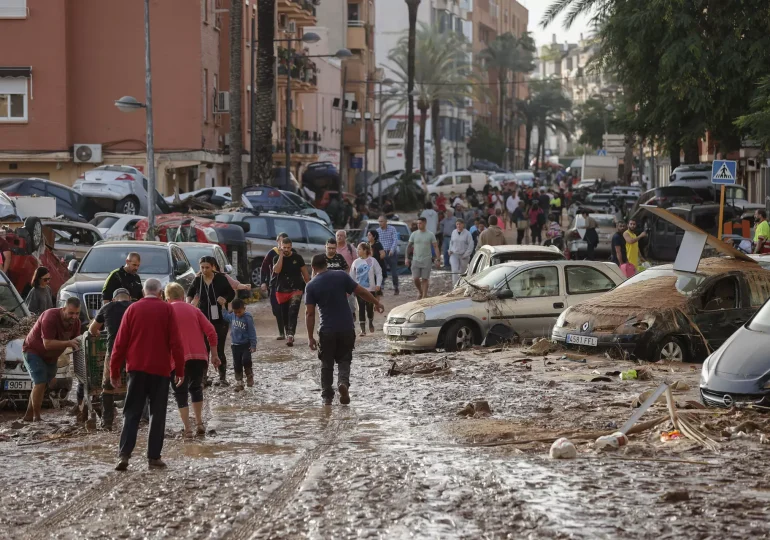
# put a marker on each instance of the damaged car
(667, 314)
(738, 372)
(506, 302)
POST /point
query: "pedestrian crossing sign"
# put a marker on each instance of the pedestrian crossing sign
(723, 172)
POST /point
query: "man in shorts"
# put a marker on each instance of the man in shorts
(424, 249)
(55, 331)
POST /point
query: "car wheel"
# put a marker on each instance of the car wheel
(128, 206)
(256, 277)
(459, 336)
(34, 228)
(671, 350)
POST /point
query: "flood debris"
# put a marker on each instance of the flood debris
(543, 347)
(419, 368)
(675, 496)
(562, 449)
(477, 409)
(611, 442)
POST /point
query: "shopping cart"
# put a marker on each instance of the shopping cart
(88, 363)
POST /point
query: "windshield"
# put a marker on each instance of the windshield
(686, 283)
(105, 259)
(761, 321)
(11, 304)
(194, 253)
(603, 221)
(299, 201)
(491, 277)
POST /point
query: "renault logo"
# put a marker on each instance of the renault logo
(585, 326)
(728, 400)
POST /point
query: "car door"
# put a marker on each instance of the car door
(223, 263)
(538, 300)
(296, 232)
(185, 279)
(477, 264)
(446, 185)
(721, 311)
(260, 237)
(583, 282)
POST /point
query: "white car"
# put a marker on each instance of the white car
(119, 188)
(458, 182)
(516, 299)
(218, 196)
(116, 226)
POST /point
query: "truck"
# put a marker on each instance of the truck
(600, 168)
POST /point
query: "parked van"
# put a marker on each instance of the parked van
(457, 182)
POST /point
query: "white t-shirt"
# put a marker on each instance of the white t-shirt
(431, 216)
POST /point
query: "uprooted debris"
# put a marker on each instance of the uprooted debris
(18, 331)
(477, 409)
(543, 347)
(420, 368)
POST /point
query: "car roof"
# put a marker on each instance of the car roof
(494, 250)
(35, 179)
(390, 222)
(213, 247)
(135, 243)
(58, 221)
(560, 262)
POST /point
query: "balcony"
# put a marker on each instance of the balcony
(357, 35)
(304, 147)
(303, 12)
(304, 72)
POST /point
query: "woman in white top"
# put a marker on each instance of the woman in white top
(366, 271)
(460, 250)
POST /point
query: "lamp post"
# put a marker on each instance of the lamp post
(131, 104)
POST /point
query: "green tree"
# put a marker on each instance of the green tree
(594, 119)
(486, 143)
(756, 124)
(544, 109)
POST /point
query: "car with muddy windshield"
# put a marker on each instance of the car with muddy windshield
(514, 300)
(15, 323)
(666, 314)
(166, 262)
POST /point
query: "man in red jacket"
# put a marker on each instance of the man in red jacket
(147, 340)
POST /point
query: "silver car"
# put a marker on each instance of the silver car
(119, 188)
(487, 256)
(518, 299)
(71, 240)
(196, 250)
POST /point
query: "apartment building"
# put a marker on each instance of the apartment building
(455, 120)
(492, 18)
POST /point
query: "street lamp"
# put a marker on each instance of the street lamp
(130, 104)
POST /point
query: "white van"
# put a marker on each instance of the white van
(458, 183)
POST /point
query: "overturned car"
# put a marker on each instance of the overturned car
(663, 313)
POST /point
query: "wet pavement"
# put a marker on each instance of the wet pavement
(398, 462)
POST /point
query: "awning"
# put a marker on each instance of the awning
(15, 71)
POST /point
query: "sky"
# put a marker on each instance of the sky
(542, 37)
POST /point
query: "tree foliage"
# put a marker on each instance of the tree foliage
(593, 117)
(545, 109)
(486, 144)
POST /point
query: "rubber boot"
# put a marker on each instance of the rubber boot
(108, 411)
(249, 376)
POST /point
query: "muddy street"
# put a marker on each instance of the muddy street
(399, 462)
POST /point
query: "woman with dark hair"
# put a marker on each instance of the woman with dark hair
(40, 298)
(206, 290)
(378, 252)
(234, 283)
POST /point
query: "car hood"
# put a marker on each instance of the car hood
(436, 306)
(88, 283)
(742, 357)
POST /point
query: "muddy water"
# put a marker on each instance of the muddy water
(396, 463)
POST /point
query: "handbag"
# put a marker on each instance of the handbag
(522, 224)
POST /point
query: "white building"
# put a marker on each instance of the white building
(455, 122)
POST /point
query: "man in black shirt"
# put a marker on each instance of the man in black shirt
(291, 276)
(619, 255)
(334, 261)
(125, 277)
(111, 315)
(267, 281)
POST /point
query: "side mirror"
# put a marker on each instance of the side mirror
(73, 266)
(228, 269)
(181, 267)
(505, 294)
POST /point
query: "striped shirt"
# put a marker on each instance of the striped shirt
(389, 238)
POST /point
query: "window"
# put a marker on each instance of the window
(13, 98)
(354, 12)
(723, 295)
(535, 283)
(446, 181)
(205, 95)
(317, 234)
(258, 227)
(13, 9)
(291, 227)
(464, 179)
(585, 280)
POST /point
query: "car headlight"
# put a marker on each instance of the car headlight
(704, 372)
(561, 320)
(418, 317)
(635, 326)
(65, 295)
(211, 234)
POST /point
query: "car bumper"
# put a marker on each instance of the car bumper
(632, 343)
(715, 398)
(411, 338)
(102, 193)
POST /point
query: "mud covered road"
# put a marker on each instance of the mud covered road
(398, 462)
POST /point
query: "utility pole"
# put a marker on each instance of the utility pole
(288, 113)
(343, 170)
(253, 145)
(148, 110)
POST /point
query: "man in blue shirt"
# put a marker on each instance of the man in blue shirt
(336, 336)
(389, 241)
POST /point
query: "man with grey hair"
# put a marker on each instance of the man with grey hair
(149, 344)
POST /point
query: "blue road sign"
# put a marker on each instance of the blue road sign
(356, 162)
(601, 152)
(724, 172)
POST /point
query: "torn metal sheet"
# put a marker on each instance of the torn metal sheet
(643, 408)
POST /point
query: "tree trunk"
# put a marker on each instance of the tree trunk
(438, 162)
(501, 97)
(528, 143)
(675, 151)
(423, 124)
(412, 6)
(236, 87)
(628, 160)
(265, 112)
(691, 152)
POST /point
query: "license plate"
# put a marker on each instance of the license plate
(17, 385)
(394, 331)
(582, 340)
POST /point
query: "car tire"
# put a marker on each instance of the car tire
(34, 228)
(459, 335)
(256, 278)
(671, 349)
(128, 205)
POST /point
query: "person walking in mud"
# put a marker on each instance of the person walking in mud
(204, 293)
(55, 331)
(425, 254)
(195, 331)
(291, 277)
(110, 315)
(366, 272)
(150, 346)
(267, 279)
(125, 277)
(336, 337)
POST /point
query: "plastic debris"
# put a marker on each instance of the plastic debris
(563, 449)
(671, 435)
(628, 375)
(611, 442)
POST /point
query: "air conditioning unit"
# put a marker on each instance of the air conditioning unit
(291, 27)
(88, 153)
(222, 103)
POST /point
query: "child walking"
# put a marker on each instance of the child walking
(366, 271)
(244, 337)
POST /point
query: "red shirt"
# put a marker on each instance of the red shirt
(441, 203)
(193, 325)
(50, 325)
(148, 339)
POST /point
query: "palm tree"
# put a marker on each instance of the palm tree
(412, 6)
(545, 109)
(442, 73)
(262, 168)
(236, 87)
